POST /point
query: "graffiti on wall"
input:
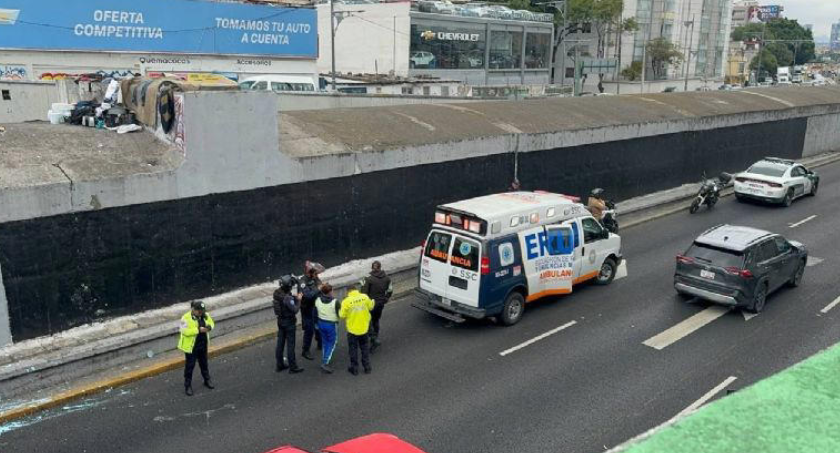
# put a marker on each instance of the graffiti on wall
(180, 133)
(12, 72)
(115, 74)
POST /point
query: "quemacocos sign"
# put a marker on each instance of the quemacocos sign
(429, 35)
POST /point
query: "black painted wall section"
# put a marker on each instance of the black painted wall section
(66, 270)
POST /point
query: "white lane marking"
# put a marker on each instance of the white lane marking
(685, 328)
(624, 446)
(709, 395)
(813, 261)
(830, 306)
(803, 221)
(622, 271)
(537, 338)
(748, 315)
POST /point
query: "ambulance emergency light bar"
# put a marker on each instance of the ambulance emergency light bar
(461, 221)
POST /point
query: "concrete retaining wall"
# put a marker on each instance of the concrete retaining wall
(823, 134)
(239, 211)
(29, 101)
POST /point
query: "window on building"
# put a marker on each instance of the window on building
(427, 91)
(441, 47)
(537, 50)
(406, 90)
(444, 90)
(7, 95)
(505, 49)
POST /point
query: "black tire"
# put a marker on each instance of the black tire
(740, 198)
(788, 200)
(759, 298)
(513, 309)
(695, 205)
(685, 298)
(814, 188)
(796, 278)
(607, 272)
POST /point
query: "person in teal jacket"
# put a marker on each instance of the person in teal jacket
(195, 337)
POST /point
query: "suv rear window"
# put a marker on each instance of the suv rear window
(775, 171)
(715, 256)
(437, 247)
(465, 254)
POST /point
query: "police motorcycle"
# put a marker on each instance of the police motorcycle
(709, 192)
(609, 218)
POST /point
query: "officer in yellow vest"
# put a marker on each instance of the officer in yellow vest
(355, 309)
(195, 337)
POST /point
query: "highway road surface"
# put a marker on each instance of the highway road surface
(580, 373)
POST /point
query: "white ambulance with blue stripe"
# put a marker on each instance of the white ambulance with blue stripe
(489, 256)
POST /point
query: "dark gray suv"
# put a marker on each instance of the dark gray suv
(739, 266)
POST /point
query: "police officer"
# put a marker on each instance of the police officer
(195, 329)
(311, 290)
(378, 287)
(286, 307)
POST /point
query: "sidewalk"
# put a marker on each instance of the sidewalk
(46, 372)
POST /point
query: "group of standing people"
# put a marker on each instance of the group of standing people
(320, 314)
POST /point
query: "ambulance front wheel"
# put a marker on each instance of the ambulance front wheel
(607, 273)
(512, 311)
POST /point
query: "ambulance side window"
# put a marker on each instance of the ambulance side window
(437, 247)
(592, 230)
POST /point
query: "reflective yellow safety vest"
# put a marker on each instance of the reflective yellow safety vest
(189, 331)
(355, 308)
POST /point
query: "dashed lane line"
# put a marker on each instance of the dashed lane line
(830, 306)
(803, 221)
(537, 338)
(685, 328)
(813, 261)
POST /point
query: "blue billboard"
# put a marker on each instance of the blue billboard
(172, 26)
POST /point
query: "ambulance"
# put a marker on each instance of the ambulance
(490, 256)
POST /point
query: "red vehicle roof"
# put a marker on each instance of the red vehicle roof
(374, 443)
(287, 449)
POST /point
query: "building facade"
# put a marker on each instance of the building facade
(699, 29)
(61, 39)
(835, 36)
(473, 44)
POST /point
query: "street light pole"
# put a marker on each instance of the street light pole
(690, 45)
(563, 57)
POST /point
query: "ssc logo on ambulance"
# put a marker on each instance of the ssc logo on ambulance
(465, 249)
(506, 257)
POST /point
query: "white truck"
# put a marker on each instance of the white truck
(783, 75)
(798, 75)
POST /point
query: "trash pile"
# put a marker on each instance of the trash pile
(106, 113)
(127, 104)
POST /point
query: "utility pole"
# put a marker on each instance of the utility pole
(332, 40)
(395, 46)
(644, 49)
(565, 27)
(690, 45)
(760, 53)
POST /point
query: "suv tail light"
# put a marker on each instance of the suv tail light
(485, 265)
(773, 184)
(685, 259)
(743, 273)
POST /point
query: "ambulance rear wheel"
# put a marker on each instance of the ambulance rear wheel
(513, 309)
(607, 272)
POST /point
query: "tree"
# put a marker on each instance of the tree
(632, 72)
(768, 62)
(800, 40)
(662, 52)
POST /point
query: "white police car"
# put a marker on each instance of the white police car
(488, 256)
(776, 180)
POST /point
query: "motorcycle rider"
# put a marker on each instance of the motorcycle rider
(596, 204)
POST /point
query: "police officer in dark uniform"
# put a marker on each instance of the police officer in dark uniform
(311, 289)
(286, 307)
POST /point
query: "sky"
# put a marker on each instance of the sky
(821, 13)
